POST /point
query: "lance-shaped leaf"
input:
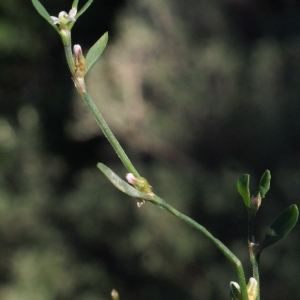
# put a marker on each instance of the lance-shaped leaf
(43, 12)
(281, 226)
(83, 9)
(235, 291)
(264, 184)
(95, 51)
(243, 188)
(122, 185)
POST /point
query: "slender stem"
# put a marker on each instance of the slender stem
(109, 135)
(127, 163)
(254, 262)
(75, 3)
(99, 118)
(69, 56)
(250, 228)
(253, 250)
(240, 272)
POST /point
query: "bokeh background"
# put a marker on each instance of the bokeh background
(198, 92)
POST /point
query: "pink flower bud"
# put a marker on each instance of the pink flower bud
(77, 50)
(255, 202)
(79, 62)
(131, 178)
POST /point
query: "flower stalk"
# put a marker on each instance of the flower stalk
(79, 66)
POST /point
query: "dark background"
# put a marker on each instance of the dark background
(198, 92)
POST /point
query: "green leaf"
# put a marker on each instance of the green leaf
(281, 227)
(264, 184)
(243, 188)
(235, 291)
(43, 12)
(121, 184)
(83, 9)
(95, 51)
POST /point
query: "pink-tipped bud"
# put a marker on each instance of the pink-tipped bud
(255, 202)
(131, 178)
(77, 50)
(141, 184)
(79, 62)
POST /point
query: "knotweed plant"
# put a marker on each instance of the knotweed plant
(138, 187)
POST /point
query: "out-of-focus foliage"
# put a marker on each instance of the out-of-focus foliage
(198, 92)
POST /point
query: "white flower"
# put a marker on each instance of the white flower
(64, 18)
(252, 288)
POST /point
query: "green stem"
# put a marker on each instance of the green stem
(240, 272)
(69, 56)
(99, 118)
(250, 227)
(253, 250)
(254, 263)
(75, 3)
(109, 135)
(156, 200)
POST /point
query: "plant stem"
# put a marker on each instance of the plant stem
(156, 200)
(109, 135)
(255, 270)
(99, 118)
(253, 250)
(240, 272)
(69, 56)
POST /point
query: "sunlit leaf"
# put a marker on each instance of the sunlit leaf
(243, 188)
(42, 11)
(95, 51)
(264, 184)
(120, 184)
(281, 227)
(84, 8)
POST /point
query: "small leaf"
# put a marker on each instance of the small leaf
(235, 291)
(264, 184)
(122, 185)
(243, 188)
(95, 51)
(83, 9)
(281, 227)
(43, 12)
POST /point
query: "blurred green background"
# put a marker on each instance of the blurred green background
(198, 92)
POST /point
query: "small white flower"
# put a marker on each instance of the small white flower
(252, 288)
(64, 18)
